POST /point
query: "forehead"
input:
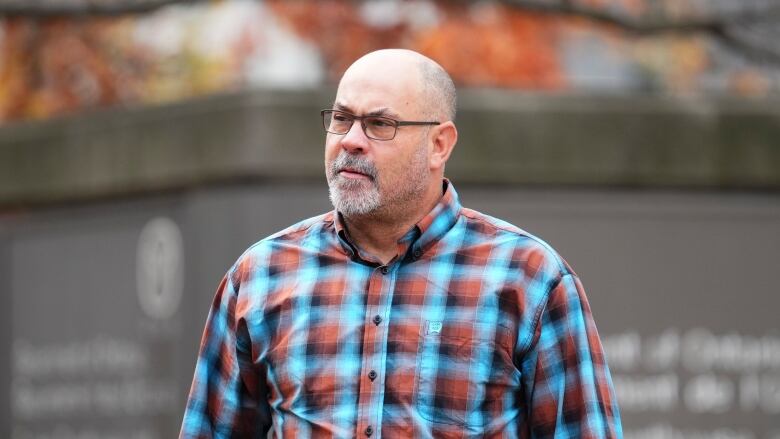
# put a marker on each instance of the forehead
(369, 87)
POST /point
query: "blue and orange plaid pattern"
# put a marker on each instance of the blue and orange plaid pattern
(476, 329)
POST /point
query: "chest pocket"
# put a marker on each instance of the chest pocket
(463, 369)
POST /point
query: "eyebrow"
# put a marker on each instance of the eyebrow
(383, 111)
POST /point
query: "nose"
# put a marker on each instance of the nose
(355, 141)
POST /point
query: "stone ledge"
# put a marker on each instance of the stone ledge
(505, 138)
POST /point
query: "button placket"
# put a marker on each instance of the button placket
(379, 290)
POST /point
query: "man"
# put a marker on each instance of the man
(400, 314)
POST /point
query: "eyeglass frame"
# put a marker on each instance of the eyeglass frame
(396, 123)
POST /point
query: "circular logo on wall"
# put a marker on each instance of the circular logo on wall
(160, 268)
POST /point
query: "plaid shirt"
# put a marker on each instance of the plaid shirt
(475, 329)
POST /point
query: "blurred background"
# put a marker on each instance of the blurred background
(144, 144)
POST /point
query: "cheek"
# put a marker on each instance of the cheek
(331, 149)
(391, 170)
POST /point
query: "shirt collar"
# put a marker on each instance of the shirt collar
(429, 230)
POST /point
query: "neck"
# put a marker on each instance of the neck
(378, 233)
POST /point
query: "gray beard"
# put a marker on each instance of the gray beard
(352, 198)
(362, 197)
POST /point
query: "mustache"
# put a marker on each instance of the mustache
(355, 163)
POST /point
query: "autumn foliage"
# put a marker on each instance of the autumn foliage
(56, 66)
(491, 45)
(503, 47)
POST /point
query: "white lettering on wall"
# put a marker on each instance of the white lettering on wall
(623, 350)
(703, 352)
(665, 431)
(709, 394)
(760, 392)
(647, 393)
(87, 357)
(104, 376)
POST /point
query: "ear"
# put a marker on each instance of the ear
(444, 138)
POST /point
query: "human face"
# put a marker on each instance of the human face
(373, 177)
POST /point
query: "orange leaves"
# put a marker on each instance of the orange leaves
(486, 44)
(502, 47)
(56, 66)
(338, 30)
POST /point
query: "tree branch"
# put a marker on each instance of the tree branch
(734, 39)
(60, 8)
(722, 26)
(636, 25)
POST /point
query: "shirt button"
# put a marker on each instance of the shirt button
(417, 253)
(384, 270)
(369, 431)
(372, 375)
(377, 319)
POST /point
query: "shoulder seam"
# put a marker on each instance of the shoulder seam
(485, 219)
(301, 226)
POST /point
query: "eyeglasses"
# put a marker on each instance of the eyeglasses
(375, 127)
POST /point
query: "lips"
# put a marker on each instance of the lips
(349, 172)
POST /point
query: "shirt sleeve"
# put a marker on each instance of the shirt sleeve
(566, 381)
(227, 398)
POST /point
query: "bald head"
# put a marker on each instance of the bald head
(434, 90)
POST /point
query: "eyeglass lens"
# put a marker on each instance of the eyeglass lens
(379, 128)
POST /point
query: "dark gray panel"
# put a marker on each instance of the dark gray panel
(5, 334)
(94, 354)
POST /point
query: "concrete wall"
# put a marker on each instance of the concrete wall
(506, 138)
